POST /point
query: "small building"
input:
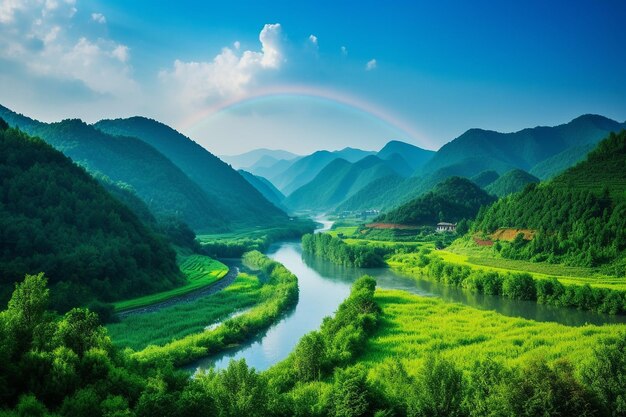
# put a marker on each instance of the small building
(446, 227)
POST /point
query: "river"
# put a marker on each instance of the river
(323, 286)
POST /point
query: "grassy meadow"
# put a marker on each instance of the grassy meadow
(412, 327)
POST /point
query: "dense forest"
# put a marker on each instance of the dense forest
(585, 222)
(165, 189)
(57, 219)
(338, 252)
(511, 182)
(450, 201)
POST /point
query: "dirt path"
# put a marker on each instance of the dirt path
(186, 298)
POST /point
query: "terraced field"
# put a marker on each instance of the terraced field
(200, 271)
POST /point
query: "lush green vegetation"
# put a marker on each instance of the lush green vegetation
(337, 251)
(199, 271)
(172, 323)
(584, 223)
(450, 201)
(55, 218)
(235, 244)
(414, 156)
(280, 295)
(511, 182)
(515, 285)
(238, 203)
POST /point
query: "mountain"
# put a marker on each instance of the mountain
(56, 218)
(414, 156)
(523, 149)
(338, 180)
(252, 158)
(578, 218)
(511, 182)
(558, 163)
(485, 178)
(372, 195)
(166, 190)
(306, 168)
(274, 170)
(266, 188)
(239, 203)
(450, 201)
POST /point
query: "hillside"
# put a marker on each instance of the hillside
(371, 196)
(558, 163)
(450, 201)
(306, 168)
(523, 149)
(266, 188)
(338, 180)
(166, 190)
(579, 216)
(511, 182)
(485, 178)
(415, 156)
(239, 203)
(57, 219)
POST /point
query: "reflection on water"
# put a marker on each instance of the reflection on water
(324, 285)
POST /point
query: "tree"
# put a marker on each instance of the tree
(606, 375)
(350, 394)
(309, 356)
(439, 390)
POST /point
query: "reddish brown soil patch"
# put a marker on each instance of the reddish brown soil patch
(481, 242)
(509, 234)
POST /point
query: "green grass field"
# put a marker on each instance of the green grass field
(178, 321)
(413, 327)
(199, 270)
(483, 258)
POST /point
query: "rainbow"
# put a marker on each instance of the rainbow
(332, 97)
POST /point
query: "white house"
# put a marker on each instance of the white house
(446, 227)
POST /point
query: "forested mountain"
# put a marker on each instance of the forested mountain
(239, 203)
(416, 157)
(371, 196)
(256, 156)
(523, 149)
(273, 170)
(56, 218)
(485, 178)
(306, 168)
(266, 188)
(450, 201)
(166, 190)
(511, 182)
(558, 163)
(336, 181)
(579, 217)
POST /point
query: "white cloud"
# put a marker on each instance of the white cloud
(228, 74)
(313, 39)
(344, 51)
(98, 18)
(37, 34)
(237, 45)
(371, 64)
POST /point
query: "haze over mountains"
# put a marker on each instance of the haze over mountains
(317, 182)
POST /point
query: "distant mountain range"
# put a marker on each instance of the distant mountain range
(257, 157)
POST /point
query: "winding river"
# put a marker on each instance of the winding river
(323, 286)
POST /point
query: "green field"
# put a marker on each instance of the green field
(169, 324)
(483, 258)
(199, 270)
(413, 327)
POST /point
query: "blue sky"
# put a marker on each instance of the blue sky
(308, 75)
